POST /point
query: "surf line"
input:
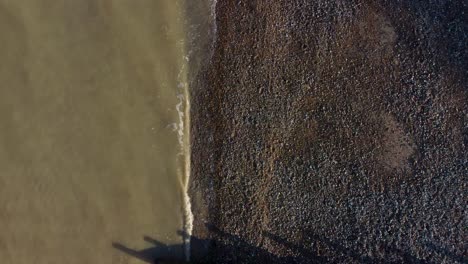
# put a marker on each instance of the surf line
(183, 131)
(183, 134)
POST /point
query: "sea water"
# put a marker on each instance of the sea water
(94, 130)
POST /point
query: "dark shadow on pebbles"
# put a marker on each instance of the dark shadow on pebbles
(236, 250)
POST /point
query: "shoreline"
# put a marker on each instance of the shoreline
(201, 31)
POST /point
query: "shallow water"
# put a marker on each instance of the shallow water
(90, 132)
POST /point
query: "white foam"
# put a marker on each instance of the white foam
(183, 133)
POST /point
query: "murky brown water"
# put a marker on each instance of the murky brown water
(89, 128)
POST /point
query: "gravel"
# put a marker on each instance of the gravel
(332, 131)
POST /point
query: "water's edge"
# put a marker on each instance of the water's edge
(200, 27)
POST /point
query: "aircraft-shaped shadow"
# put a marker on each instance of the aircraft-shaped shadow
(158, 253)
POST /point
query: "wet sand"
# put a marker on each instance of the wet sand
(331, 131)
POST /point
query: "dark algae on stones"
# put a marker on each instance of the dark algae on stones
(332, 132)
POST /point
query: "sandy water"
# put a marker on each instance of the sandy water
(93, 114)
